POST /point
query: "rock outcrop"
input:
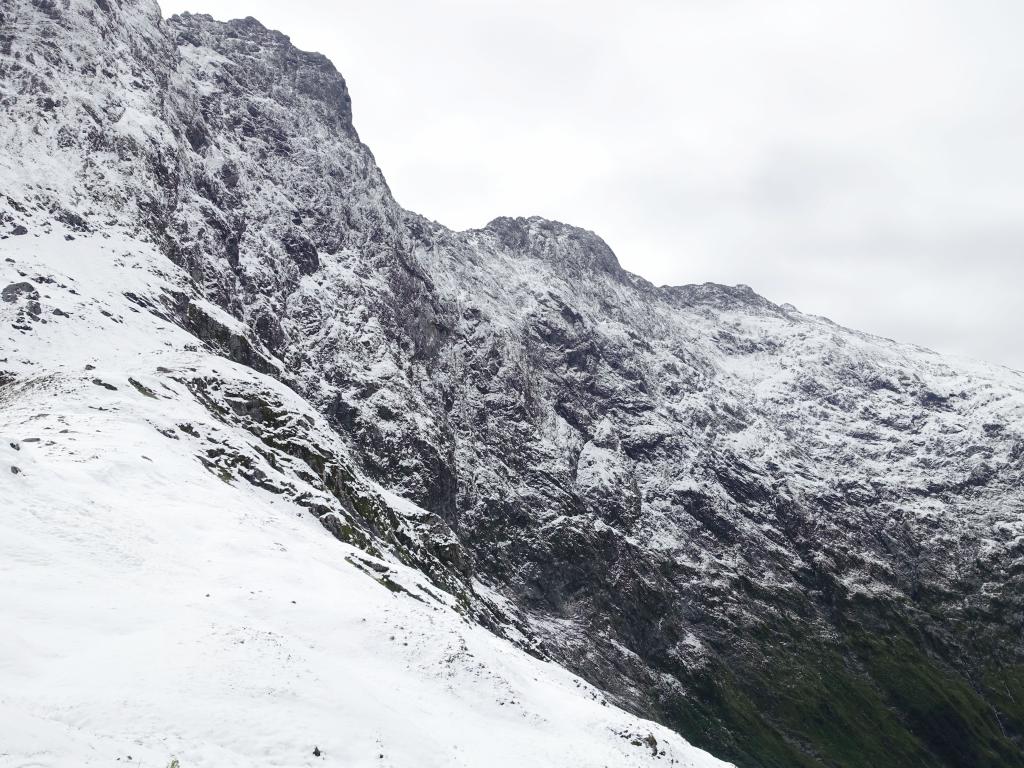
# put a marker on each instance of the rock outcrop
(791, 542)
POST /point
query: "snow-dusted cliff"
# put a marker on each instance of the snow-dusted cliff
(792, 543)
(166, 594)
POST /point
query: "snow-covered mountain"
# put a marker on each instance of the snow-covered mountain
(792, 543)
(166, 592)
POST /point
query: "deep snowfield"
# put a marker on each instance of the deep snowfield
(151, 610)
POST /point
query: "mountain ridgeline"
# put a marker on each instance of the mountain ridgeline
(790, 542)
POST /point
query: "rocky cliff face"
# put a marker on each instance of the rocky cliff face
(793, 543)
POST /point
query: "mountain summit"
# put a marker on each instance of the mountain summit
(287, 463)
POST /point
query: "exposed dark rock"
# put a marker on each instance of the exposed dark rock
(795, 544)
(302, 252)
(16, 291)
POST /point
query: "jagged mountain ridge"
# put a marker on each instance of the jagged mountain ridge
(168, 595)
(792, 542)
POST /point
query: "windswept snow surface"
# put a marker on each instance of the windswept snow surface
(153, 610)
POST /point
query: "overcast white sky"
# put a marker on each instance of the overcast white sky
(861, 160)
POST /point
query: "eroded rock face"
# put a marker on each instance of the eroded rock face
(15, 291)
(795, 543)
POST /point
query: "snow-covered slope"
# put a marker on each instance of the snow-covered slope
(157, 606)
(793, 543)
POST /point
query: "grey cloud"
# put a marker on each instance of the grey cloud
(860, 160)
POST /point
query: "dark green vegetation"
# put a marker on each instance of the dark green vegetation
(882, 695)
